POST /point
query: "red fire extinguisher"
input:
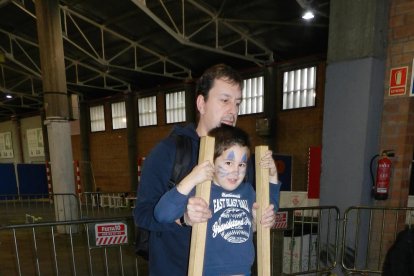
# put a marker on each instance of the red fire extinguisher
(381, 185)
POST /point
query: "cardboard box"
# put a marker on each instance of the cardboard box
(299, 253)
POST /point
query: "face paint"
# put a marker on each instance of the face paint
(244, 158)
(224, 172)
(231, 156)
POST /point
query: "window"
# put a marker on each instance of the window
(118, 115)
(252, 96)
(175, 107)
(299, 88)
(97, 118)
(147, 108)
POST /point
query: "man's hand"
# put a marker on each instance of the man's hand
(197, 211)
(268, 218)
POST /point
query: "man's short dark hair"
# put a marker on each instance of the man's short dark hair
(218, 71)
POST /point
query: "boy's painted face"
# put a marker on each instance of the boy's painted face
(230, 167)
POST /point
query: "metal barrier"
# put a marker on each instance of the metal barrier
(98, 205)
(31, 208)
(368, 233)
(84, 247)
(307, 242)
(17, 209)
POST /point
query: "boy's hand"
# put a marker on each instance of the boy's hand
(268, 162)
(200, 173)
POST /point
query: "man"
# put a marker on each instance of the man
(219, 92)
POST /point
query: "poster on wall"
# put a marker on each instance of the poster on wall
(35, 142)
(412, 80)
(6, 145)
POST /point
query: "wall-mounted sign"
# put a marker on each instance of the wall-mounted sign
(6, 145)
(35, 142)
(398, 81)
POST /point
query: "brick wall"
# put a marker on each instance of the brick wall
(293, 133)
(397, 131)
(297, 130)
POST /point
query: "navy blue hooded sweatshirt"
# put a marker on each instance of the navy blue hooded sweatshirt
(169, 242)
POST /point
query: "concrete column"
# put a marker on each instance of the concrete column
(56, 107)
(131, 107)
(45, 136)
(62, 170)
(269, 100)
(353, 102)
(17, 140)
(190, 99)
(17, 146)
(85, 165)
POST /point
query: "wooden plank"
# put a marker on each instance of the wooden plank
(262, 197)
(199, 231)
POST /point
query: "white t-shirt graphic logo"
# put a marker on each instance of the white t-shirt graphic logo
(233, 225)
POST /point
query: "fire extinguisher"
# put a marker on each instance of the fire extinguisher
(381, 184)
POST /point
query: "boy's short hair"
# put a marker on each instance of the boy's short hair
(227, 136)
(218, 71)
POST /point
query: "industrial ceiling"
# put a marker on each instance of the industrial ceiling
(130, 45)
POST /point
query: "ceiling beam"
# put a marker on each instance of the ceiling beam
(249, 49)
(157, 64)
(19, 84)
(31, 67)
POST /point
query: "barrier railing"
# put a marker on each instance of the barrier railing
(84, 247)
(16, 209)
(307, 243)
(98, 204)
(368, 233)
(31, 208)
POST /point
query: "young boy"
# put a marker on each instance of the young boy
(229, 242)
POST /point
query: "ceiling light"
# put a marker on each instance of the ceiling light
(308, 15)
(8, 96)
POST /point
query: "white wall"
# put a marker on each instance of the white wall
(18, 130)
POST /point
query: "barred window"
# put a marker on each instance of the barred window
(253, 92)
(118, 115)
(97, 116)
(175, 107)
(299, 88)
(147, 111)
